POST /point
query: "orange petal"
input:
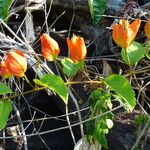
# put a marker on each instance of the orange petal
(49, 47)
(147, 28)
(77, 48)
(119, 35)
(135, 25)
(5, 72)
(17, 63)
(124, 33)
(71, 49)
(81, 48)
(47, 55)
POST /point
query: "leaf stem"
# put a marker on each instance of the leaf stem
(83, 82)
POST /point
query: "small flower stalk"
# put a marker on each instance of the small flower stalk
(124, 33)
(77, 48)
(50, 48)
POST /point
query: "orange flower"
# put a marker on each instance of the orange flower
(77, 48)
(16, 63)
(4, 70)
(147, 28)
(50, 48)
(125, 33)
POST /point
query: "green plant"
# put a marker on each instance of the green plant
(4, 8)
(97, 9)
(101, 97)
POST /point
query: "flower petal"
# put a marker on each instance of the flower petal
(147, 28)
(77, 48)
(16, 62)
(50, 48)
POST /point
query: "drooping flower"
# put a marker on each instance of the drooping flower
(4, 70)
(50, 48)
(16, 63)
(77, 48)
(147, 28)
(125, 33)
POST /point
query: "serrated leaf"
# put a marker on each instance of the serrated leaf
(97, 9)
(5, 109)
(70, 68)
(133, 53)
(4, 89)
(4, 8)
(54, 83)
(122, 87)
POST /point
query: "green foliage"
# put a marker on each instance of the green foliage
(133, 53)
(70, 68)
(147, 47)
(4, 8)
(97, 9)
(121, 86)
(98, 128)
(54, 83)
(104, 97)
(4, 89)
(100, 132)
(5, 109)
(141, 119)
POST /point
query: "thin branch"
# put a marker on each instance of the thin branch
(22, 127)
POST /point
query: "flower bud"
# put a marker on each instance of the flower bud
(124, 33)
(77, 48)
(50, 48)
(16, 63)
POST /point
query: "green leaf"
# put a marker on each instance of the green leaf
(147, 47)
(4, 89)
(133, 53)
(103, 97)
(4, 8)
(5, 109)
(100, 132)
(38, 82)
(97, 9)
(122, 87)
(54, 83)
(70, 68)
(141, 119)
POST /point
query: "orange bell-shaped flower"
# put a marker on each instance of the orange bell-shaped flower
(125, 33)
(147, 28)
(4, 70)
(16, 63)
(77, 48)
(50, 48)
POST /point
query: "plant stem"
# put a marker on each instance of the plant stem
(78, 111)
(25, 77)
(24, 93)
(84, 82)
(21, 126)
(68, 120)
